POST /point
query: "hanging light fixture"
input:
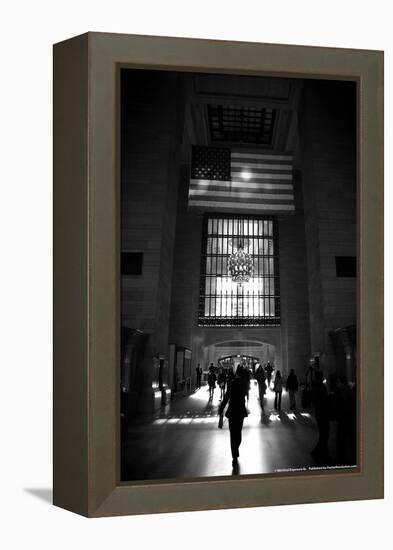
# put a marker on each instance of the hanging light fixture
(240, 265)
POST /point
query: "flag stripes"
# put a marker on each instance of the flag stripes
(220, 206)
(258, 182)
(233, 195)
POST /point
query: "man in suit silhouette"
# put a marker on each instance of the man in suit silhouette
(236, 412)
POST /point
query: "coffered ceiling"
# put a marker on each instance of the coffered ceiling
(242, 111)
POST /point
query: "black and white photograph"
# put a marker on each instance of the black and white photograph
(196, 232)
(238, 207)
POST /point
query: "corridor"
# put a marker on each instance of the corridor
(183, 440)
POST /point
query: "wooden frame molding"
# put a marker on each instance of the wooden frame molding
(87, 264)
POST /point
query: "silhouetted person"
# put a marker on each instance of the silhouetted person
(230, 375)
(211, 380)
(269, 369)
(320, 400)
(222, 380)
(236, 412)
(246, 376)
(277, 388)
(346, 422)
(292, 387)
(261, 379)
(198, 371)
(312, 370)
(310, 373)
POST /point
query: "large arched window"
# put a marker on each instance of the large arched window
(224, 302)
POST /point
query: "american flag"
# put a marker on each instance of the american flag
(225, 180)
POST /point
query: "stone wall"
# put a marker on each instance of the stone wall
(328, 157)
(295, 324)
(152, 123)
(152, 114)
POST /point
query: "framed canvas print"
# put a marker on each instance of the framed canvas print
(218, 274)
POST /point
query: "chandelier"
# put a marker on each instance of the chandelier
(240, 266)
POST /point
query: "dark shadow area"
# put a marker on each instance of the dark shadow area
(307, 421)
(285, 421)
(42, 494)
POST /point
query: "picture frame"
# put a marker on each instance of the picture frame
(86, 422)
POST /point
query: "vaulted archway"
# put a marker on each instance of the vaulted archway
(261, 351)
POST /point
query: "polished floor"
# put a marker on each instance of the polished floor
(183, 441)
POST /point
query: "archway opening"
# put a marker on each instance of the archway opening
(236, 351)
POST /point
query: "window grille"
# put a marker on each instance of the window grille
(224, 302)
